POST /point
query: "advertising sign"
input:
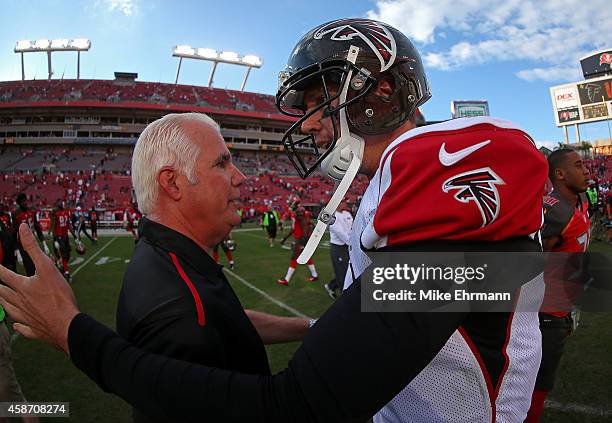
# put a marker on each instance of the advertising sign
(464, 108)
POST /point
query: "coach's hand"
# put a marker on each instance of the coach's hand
(42, 305)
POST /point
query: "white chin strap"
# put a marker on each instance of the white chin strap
(342, 165)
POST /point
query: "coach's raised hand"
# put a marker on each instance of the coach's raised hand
(42, 305)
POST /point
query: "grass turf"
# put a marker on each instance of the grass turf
(585, 375)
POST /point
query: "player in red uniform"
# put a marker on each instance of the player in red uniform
(566, 230)
(228, 245)
(24, 214)
(300, 229)
(60, 226)
(131, 218)
(93, 221)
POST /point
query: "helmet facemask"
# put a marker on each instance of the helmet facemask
(342, 84)
(342, 158)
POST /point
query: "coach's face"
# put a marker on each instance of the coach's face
(210, 205)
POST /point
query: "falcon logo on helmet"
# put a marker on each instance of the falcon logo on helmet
(375, 35)
(477, 186)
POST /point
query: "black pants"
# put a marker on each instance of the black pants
(9, 259)
(271, 229)
(555, 331)
(28, 264)
(340, 259)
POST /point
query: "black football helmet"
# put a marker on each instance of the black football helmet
(345, 59)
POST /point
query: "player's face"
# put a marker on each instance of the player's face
(318, 124)
(321, 126)
(211, 204)
(576, 173)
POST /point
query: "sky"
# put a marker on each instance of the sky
(509, 52)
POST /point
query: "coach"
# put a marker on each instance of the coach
(175, 299)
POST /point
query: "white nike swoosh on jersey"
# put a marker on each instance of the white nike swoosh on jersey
(449, 159)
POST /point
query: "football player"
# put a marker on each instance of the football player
(93, 221)
(228, 245)
(131, 218)
(25, 214)
(60, 226)
(79, 226)
(566, 230)
(300, 229)
(355, 85)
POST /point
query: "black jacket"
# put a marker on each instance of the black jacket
(176, 301)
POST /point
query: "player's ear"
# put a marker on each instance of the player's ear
(166, 179)
(560, 174)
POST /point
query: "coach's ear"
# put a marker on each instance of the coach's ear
(166, 178)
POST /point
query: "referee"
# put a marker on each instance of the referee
(339, 238)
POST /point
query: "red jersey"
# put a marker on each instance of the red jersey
(570, 222)
(28, 216)
(131, 215)
(300, 226)
(562, 273)
(457, 182)
(61, 221)
(5, 219)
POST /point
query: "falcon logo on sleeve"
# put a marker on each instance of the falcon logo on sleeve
(477, 186)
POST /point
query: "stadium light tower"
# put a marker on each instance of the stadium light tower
(211, 55)
(49, 46)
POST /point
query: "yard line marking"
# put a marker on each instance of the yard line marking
(577, 408)
(266, 295)
(16, 335)
(246, 230)
(94, 256)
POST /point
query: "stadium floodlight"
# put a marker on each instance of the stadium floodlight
(212, 55)
(61, 43)
(252, 60)
(183, 51)
(49, 46)
(41, 44)
(23, 45)
(229, 56)
(208, 53)
(80, 44)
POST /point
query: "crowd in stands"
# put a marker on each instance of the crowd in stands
(100, 177)
(92, 177)
(148, 92)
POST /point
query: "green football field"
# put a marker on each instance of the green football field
(582, 394)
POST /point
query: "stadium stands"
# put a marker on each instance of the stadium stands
(100, 177)
(147, 92)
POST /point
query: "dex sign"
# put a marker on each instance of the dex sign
(566, 97)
